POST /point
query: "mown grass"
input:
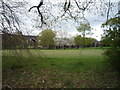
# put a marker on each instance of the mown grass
(57, 68)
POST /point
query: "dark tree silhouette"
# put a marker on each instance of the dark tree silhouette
(81, 6)
(38, 9)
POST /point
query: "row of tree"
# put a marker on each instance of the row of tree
(46, 39)
(49, 38)
(81, 41)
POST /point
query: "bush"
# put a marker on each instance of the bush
(113, 58)
(112, 37)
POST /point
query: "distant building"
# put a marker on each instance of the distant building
(12, 41)
(19, 41)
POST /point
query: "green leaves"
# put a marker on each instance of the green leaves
(84, 27)
(79, 41)
(112, 36)
(47, 38)
(112, 22)
(112, 32)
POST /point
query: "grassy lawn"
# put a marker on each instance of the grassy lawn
(57, 68)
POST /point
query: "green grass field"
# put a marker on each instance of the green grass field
(57, 68)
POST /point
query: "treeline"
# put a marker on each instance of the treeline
(47, 39)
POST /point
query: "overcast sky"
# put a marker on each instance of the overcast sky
(95, 21)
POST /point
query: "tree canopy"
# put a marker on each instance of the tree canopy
(79, 41)
(85, 29)
(46, 38)
(112, 34)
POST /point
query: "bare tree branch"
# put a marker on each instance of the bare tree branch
(10, 23)
(78, 5)
(108, 10)
(66, 7)
(32, 8)
(38, 9)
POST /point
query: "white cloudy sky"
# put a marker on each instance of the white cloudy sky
(95, 21)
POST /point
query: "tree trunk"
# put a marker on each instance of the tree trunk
(84, 39)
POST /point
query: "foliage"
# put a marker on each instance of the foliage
(105, 41)
(46, 38)
(113, 34)
(89, 41)
(11, 41)
(79, 41)
(85, 29)
(113, 58)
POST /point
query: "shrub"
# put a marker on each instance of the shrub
(113, 58)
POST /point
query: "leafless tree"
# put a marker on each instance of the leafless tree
(10, 24)
(10, 21)
(74, 9)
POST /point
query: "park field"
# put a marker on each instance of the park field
(57, 69)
